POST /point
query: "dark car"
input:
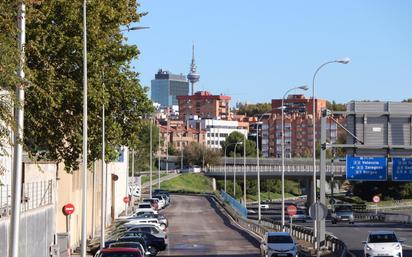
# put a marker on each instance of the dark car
(161, 191)
(119, 252)
(152, 241)
(138, 239)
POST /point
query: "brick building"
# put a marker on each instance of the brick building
(204, 105)
(180, 135)
(298, 104)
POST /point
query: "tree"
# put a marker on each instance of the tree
(335, 107)
(53, 105)
(142, 149)
(254, 109)
(199, 154)
(235, 137)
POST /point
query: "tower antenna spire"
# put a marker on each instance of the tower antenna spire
(193, 76)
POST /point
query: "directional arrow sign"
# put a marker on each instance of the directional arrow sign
(366, 168)
(402, 169)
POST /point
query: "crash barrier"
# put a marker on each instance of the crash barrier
(401, 218)
(334, 245)
(238, 207)
(367, 216)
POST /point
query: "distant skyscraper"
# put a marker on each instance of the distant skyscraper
(166, 86)
(193, 76)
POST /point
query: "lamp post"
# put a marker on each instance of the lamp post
(258, 163)
(158, 162)
(18, 141)
(234, 170)
(244, 171)
(84, 186)
(151, 157)
(342, 61)
(225, 163)
(283, 150)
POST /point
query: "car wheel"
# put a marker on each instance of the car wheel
(153, 251)
(333, 222)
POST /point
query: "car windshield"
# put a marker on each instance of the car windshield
(382, 238)
(280, 240)
(343, 208)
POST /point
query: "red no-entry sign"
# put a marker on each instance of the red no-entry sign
(68, 209)
(376, 199)
(126, 199)
(292, 210)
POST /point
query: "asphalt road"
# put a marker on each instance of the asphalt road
(198, 227)
(353, 235)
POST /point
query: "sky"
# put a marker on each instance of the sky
(254, 51)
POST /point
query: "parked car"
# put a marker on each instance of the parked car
(136, 245)
(278, 244)
(151, 228)
(383, 243)
(148, 249)
(165, 197)
(161, 191)
(119, 252)
(154, 202)
(343, 213)
(159, 244)
(162, 202)
(145, 206)
(136, 221)
(160, 217)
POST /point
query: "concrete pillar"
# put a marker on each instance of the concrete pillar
(309, 191)
(214, 184)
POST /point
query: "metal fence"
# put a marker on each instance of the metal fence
(333, 244)
(337, 170)
(238, 207)
(33, 195)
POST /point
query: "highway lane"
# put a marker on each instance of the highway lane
(198, 227)
(353, 235)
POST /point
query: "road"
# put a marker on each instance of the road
(353, 235)
(199, 227)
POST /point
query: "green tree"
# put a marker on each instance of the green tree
(199, 154)
(53, 104)
(235, 137)
(254, 109)
(333, 106)
(9, 61)
(142, 149)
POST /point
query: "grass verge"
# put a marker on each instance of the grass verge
(188, 183)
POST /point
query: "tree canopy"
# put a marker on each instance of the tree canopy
(54, 69)
(237, 137)
(254, 109)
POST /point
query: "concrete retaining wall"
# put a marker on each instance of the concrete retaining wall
(37, 229)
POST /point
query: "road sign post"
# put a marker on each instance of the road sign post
(292, 210)
(376, 199)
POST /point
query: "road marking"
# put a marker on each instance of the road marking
(409, 246)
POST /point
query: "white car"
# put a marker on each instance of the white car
(279, 244)
(382, 243)
(145, 221)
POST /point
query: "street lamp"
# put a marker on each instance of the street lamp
(283, 150)
(234, 169)
(225, 162)
(258, 163)
(342, 61)
(134, 28)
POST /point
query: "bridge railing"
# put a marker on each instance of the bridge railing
(336, 169)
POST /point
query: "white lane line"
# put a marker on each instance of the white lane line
(409, 246)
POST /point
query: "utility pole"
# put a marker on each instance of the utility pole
(84, 188)
(18, 140)
(158, 162)
(151, 158)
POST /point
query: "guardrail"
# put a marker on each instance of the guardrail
(336, 169)
(34, 195)
(332, 243)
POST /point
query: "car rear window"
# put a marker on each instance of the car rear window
(119, 255)
(280, 240)
(382, 238)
